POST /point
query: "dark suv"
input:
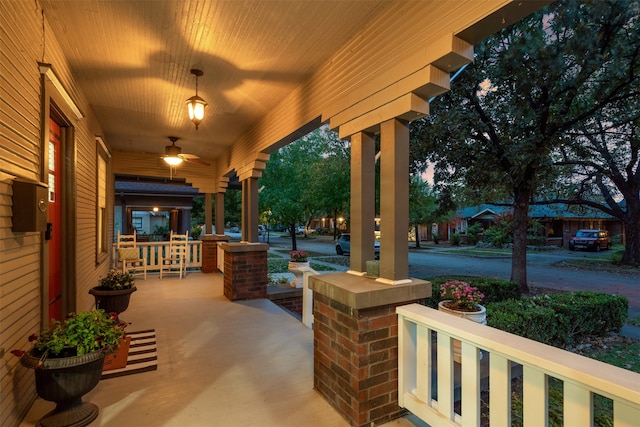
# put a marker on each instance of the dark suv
(592, 240)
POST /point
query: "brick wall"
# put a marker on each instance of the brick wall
(290, 299)
(245, 275)
(356, 360)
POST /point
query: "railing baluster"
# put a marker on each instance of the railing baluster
(445, 375)
(535, 397)
(499, 391)
(578, 405)
(424, 347)
(625, 415)
(470, 385)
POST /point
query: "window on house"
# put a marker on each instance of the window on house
(101, 200)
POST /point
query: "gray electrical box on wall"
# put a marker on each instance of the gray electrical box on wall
(30, 205)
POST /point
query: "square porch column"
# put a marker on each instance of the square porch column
(394, 202)
(250, 210)
(219, 213)
(363, 182)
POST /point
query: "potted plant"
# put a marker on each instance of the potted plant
(297, 259)
(463, 300)
(114, 291)
(68, 359)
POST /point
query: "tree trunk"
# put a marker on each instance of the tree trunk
(292, 230)
(519, 256)
(632, 234)
(417, 236)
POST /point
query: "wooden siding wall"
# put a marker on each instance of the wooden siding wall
(21, 284)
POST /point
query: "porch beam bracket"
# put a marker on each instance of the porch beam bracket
(222, 185)
(252, 170)
(437, 83)
(408, 108)
(447, 53)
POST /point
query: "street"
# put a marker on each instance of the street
(542, 268)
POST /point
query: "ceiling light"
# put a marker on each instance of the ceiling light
(195, 103)
(173, 161)
(172, 152)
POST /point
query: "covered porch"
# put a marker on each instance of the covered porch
(220, 363)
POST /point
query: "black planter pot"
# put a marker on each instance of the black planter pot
(112, 301)
(64, 381)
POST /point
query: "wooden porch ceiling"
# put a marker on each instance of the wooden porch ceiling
(132, 60)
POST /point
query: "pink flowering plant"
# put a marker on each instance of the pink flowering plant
(462, 295)
(79, 334)
(298, 256)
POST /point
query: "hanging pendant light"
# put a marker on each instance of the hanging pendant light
(196, 104)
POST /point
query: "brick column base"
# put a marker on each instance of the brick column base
(356, 344)
(245, 270)
(210, 251)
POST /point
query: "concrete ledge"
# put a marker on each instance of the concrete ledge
(214, 237)
(244, 247)
(360, 292)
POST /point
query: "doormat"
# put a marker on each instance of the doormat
(143, 355)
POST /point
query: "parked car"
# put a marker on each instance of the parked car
(592, 240)
(343, 245)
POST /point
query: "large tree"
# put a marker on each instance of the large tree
(604, 173)
(494, 132)
(308, 176)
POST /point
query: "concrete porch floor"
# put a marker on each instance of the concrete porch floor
(220, 363)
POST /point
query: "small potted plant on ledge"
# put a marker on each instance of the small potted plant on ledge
(462, 300)
(68, 359)
(114, 291)
(297, 259)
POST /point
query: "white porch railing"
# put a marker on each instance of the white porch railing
(426, 375)
(155, 251)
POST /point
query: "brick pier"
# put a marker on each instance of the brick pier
(356, 344)
(245, 270)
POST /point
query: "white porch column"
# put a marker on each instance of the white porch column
(250, 210)
(219, 213)
(394, 202)
(362, 201)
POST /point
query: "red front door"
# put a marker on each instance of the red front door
(55, 243)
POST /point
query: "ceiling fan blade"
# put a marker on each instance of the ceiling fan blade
(195, 160)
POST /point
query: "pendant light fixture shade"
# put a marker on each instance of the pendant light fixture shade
(196, 104)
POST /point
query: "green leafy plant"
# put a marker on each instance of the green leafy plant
(117, 280)
(79, 334)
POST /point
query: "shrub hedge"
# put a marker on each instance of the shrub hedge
(560, 318)
(557, 319)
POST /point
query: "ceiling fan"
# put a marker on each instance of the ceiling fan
(174, 156)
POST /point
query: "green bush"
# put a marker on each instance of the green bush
(498, 237)
(521, 317)
(589, 313)
(493, 289)
(560, 318)
(456, 239)
(472, 233)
